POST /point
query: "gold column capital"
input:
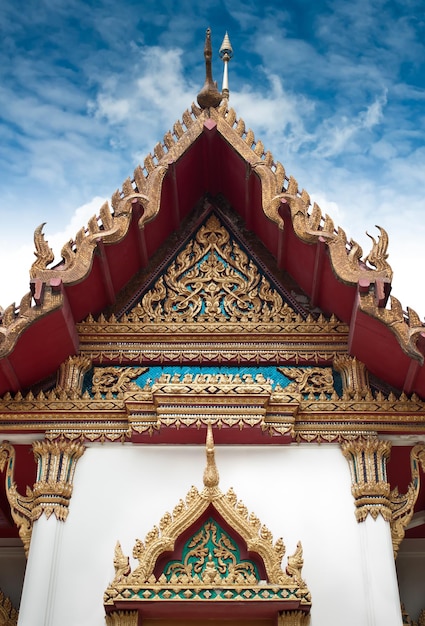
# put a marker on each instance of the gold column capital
(56, 461)
(367, 459)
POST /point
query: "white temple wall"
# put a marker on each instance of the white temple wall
(299, 492)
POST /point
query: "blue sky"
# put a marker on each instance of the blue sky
(335, 89)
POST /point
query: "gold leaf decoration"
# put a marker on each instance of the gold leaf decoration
(211, 280)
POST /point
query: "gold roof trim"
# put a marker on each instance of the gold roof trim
(407, 329)
(310, 225)
(146, 187)
(77, 255)
(307, 409)
(141, 584)
(15, 320)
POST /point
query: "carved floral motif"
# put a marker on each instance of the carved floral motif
(20, 506)
(310, 379)
(211, 280)
(114, 380)
(52, 490)
(312, 412)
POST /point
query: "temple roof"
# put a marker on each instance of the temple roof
(208, 154)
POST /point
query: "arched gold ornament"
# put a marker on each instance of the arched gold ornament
(285, 590)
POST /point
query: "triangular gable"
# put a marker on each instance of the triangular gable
(213, 280)
(214, 300)
(211, 151)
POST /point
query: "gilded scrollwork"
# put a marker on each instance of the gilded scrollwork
(212, 383)
(211, 300)
(312, 412)
(114, 380)
(310, 379)
(403, 504)
(77, 255)
(345, 255)
(144, 191)
(211, 556)
(309, 223)
(211, 280)
(408, 329)
(21, 507)
(43, 252)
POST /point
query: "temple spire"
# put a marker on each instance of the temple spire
(209, 96)
(226, 53)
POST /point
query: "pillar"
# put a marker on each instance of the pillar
(367, 459)
(52, 491)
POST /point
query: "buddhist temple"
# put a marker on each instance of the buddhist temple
(212, 408)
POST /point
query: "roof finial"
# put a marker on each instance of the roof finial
(209, 96)
(226, 53)
(211, 476)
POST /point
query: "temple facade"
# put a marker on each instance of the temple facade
(212, 409)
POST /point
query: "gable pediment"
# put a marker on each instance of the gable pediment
(212, 282)
(214, 300)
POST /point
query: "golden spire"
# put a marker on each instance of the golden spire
(211, 476)
(226, 53)
(209, 96)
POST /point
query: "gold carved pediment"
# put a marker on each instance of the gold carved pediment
(209, 568)
(213, 281)
(214, 302)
